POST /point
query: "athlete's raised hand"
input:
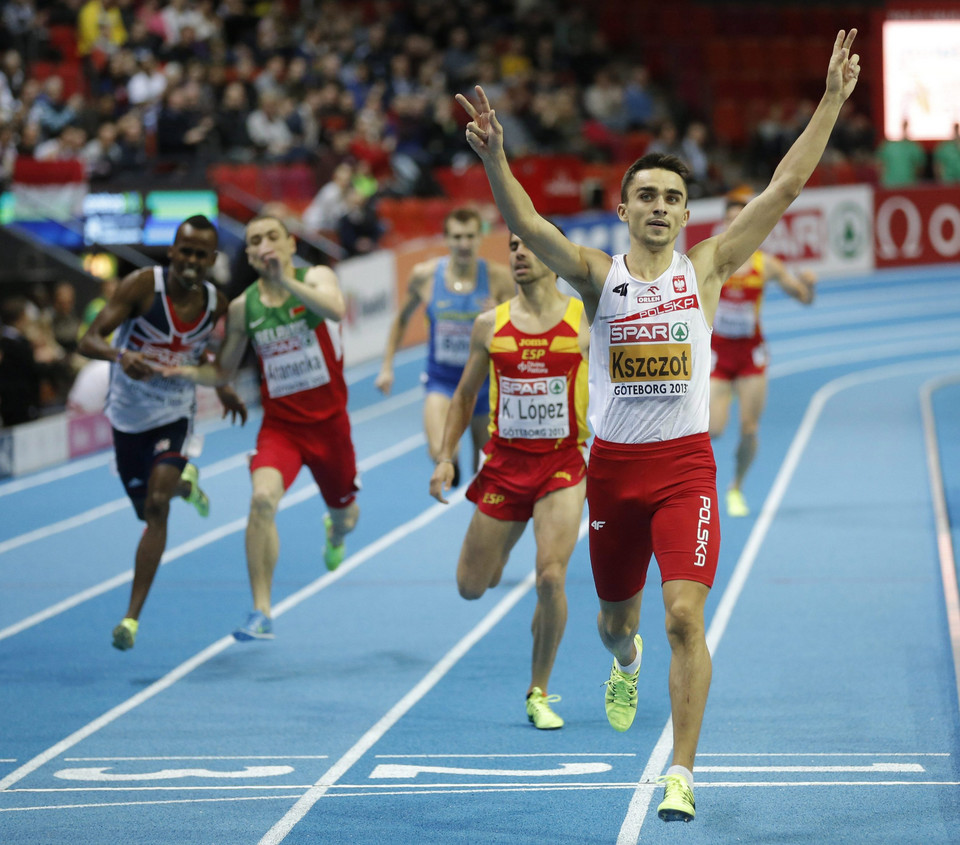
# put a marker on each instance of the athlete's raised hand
(844, 68)
(484, 132)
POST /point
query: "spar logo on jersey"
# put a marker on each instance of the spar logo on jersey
(639, 333)
(679, 284)
(652, 295)
(680, 331)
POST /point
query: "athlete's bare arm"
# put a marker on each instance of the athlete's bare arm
(418, 292)
(583, 267)
(224, 368)
(717, 258)
(133, 297)
(319, 291)
(801, 286)
(460, 412)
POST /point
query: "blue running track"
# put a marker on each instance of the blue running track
(388, 709)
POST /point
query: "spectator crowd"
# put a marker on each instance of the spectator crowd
(362, 92)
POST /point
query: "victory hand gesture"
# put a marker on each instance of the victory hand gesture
(484, 132)
(844, 69)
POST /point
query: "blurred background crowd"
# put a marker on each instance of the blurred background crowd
(359, 95)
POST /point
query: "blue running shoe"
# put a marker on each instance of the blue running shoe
(257, 627)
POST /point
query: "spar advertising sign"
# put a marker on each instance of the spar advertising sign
(826, 230)
(916, 226)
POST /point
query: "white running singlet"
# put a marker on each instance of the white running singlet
(136, 406)
(649, 357)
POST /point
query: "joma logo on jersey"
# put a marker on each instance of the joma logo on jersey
(639, 332)
(493, 498)
(533, 341)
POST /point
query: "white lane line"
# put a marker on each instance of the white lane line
(291, 499)
(241, 459)
(897, 312)
(65, 471)
(145, 803)
(198, 757)
(279, 831)
(353, 791)
(106, 509)
(498, 756)
(948, 559)
(387, 406)
(824, 754)
(211, 651)
(640, 802)
(855, 337)
(873, 767)
(863, 355)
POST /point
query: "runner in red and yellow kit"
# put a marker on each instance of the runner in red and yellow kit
(534, 348)
(739, 364)
(292, 318)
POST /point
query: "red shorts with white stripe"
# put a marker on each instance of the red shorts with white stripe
(324, 447)
(652, 498)
(733, 358)
(511, 481)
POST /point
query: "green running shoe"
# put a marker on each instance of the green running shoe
(678, 804)
(736, 504)
(196, 497)
(621, 695)
(125, 633)
(539, 711)
(332, 555)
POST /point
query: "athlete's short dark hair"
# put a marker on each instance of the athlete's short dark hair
(654, 161)
(200, 223)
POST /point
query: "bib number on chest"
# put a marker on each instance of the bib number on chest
(533, 409)
(293, 365)
(735, 319)
(452, 342)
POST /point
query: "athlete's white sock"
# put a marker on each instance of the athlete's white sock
(684, 772)
(632, 667)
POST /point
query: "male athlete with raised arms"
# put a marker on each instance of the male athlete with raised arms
(651, 478)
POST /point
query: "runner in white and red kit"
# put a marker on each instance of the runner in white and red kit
(651, 478)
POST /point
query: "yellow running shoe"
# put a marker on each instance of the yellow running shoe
(125, 633)
(196, 497)
(539, 711)
(621, 695)
(332, 555)
(678, 804)
(736, 504)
